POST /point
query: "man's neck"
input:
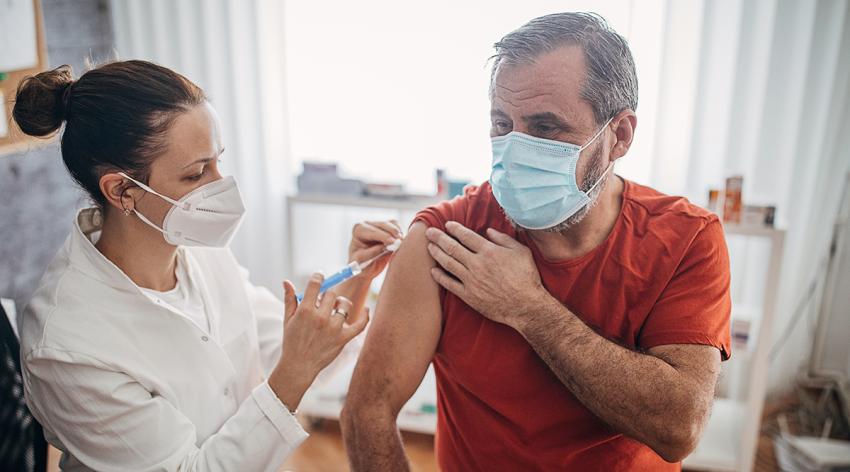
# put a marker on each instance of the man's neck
(139, 251)
(589, 233)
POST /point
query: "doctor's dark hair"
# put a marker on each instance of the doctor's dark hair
(115, 116)
(611, 84)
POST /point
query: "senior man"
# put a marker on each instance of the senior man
(575, 320)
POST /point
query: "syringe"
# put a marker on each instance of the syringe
(352, 270)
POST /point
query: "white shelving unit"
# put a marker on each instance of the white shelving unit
(325, 400)
(731, 436)
(401, 209)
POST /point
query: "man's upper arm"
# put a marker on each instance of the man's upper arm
(405, 329)
(695, 306)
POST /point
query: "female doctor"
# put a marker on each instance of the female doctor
(145, 346)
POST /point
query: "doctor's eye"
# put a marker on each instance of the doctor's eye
(196, 177)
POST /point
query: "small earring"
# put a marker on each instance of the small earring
(126, 212)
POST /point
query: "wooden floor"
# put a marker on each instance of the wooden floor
(324, 451)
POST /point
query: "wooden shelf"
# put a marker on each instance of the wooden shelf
(752, 230)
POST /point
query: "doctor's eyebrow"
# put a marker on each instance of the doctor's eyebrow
(204, 160)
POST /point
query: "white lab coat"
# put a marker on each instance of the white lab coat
(120, 382)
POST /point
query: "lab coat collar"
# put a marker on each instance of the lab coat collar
(87, 259)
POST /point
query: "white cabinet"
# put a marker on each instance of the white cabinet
(730, 439)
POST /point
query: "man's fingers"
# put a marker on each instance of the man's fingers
(290, 302)
(466, 236)
(502, 239)
(447, 262)
(311, 293)
(350, 331)
(449, 245)
(447, 282)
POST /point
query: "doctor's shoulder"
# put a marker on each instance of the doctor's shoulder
(71, 312)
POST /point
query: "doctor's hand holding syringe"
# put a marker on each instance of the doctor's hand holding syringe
(312, 338)
(372, 245)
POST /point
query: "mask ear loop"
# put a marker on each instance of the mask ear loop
(150, 190)
(146, 189)
(610, 165)
(601, 129)
(601, 178)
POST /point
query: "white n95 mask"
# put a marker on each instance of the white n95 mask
(207, 216)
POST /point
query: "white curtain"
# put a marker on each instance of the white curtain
(233, 50)
(760, 88)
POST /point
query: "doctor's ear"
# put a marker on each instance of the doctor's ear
(623, 124)
(117, 192)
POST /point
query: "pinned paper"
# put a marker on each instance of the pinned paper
(4, 120)
(18, 37)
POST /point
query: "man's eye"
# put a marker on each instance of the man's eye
(545, 129)
(501, 124)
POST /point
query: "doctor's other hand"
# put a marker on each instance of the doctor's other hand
(314, 333)
(369, 239)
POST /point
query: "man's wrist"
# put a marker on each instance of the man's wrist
(538, 310)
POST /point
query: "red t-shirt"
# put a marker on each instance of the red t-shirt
(661, 277)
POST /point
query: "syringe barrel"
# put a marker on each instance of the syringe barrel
(335, 279)
(338, 278)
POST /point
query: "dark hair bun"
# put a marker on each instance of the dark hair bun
(41, 101)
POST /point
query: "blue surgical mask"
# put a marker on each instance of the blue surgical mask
(534, 179)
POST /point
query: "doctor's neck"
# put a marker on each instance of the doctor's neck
(138, 250)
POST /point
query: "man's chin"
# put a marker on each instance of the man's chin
(561, 227)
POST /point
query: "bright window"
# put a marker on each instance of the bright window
(393, 90)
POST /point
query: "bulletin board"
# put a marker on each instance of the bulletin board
(12, 139)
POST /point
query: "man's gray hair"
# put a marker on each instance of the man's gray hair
(611, 83)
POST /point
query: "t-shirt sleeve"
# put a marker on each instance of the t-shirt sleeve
(438, 215)
(695, 306)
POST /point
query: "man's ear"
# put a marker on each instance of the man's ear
(117, 191)
(624, 124)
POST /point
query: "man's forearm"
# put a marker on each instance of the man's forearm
(373, 441)
(638, 394)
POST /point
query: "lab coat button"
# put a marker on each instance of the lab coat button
(205, 338)
(226, 391)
